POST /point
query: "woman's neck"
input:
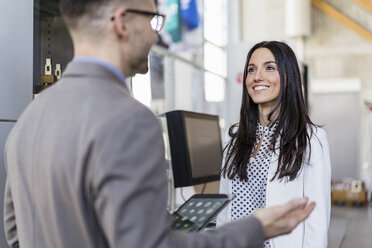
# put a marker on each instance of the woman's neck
(263, 115)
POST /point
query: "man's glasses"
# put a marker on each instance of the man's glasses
(157, 22)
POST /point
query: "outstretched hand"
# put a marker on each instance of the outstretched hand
(282, 219)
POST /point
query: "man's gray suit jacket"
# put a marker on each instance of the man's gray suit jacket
(85, 168)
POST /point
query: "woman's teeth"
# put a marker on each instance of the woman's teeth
(260, 88)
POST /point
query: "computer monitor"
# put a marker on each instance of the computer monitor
(195, 147)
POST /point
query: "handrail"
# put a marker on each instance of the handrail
(165, 52)
(214, 44)
(367, 4)
(343, 19)
(4, 120)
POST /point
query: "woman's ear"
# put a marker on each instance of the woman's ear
(120, 23)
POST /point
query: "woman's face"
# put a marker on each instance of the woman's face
(263, 79)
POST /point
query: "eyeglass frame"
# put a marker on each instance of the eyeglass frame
(144, 12)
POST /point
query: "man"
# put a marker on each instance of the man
(85, 161)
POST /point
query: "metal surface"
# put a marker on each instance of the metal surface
(16, 73)
(329, 109)
(16, 56)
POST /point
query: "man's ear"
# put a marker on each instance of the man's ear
(120, 23)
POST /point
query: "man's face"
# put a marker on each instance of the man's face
(142, 38)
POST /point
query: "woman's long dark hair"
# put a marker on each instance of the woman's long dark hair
(292, 118)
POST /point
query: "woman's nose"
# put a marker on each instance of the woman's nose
(258, 75)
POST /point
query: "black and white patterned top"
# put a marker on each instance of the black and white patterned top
(251, 195)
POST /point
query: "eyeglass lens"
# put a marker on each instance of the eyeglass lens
(157, 23)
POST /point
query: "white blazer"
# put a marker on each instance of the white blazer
(314, 181)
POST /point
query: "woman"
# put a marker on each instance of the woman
(275, 152)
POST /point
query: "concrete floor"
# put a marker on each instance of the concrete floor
(350, 227)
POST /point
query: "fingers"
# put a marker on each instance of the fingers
(291, 220)
(279, 211)
(295, 204)
(307, 211)
(284, 218)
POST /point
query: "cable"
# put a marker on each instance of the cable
(203, 189)
(183, 198)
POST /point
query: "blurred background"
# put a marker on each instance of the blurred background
(197, 65)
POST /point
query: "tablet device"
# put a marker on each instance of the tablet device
(198, 211)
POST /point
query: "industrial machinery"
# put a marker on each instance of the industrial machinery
(35, 49)
(52, 44)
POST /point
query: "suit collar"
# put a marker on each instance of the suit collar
(91, 70)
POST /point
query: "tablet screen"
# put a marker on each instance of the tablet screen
(198, 211)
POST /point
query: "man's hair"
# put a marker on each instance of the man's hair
(86, 12)
(76, 8)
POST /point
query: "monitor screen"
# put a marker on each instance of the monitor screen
(204, 145)
(195, 145)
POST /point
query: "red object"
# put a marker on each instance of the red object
(370, 108)
(239, 78)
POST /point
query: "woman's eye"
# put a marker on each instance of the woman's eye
(250, 70)
(271, 68)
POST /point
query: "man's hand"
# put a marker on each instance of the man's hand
(282, 219)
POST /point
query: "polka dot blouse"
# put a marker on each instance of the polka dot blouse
(251, 195)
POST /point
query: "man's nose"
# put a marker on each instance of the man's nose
(156, 39)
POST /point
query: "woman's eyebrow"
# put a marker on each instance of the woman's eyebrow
(269, 62)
